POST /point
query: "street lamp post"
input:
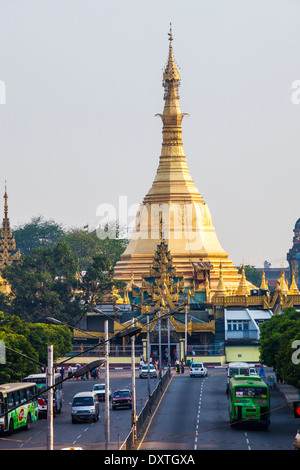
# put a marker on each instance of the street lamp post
(50, 398)
(159, 343)
(107, 417)
(133, 413)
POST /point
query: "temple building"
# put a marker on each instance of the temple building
(8, 252)
(175, 264)
(293, 256)
(173, 209)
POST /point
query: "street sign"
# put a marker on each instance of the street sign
(296, 407)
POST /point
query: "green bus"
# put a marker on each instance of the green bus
(248, 400)
(12, 395)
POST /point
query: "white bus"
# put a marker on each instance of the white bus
(236, 368)
(41, 383)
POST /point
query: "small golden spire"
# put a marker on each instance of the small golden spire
(293, 287)
(282, 283)
(243, 288)
(264, 284)
(221, 289)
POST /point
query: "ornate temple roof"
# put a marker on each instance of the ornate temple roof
(8, 253)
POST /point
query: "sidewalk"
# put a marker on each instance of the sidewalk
(289, 393)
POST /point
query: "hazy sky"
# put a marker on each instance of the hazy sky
(83, 81)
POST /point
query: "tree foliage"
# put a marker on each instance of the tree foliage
(31, 340)
(86, 245)
(37, 233)
(278, 335)
(43, 284)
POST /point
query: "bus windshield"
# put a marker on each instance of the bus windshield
(236, 371)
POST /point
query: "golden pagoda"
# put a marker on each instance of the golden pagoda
(174, 210)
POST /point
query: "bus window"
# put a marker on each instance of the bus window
(253, 392)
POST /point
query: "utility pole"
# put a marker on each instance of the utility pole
(159, 344)
(148, 359)
(133, 413)
(50, 399)
(107, 421)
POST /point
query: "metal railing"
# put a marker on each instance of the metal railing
(242, 334)
(148, 408)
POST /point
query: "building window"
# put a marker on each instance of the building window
(240, 325)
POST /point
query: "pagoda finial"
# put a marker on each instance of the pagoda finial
(171, 76)
(170, 33)
(5, 203)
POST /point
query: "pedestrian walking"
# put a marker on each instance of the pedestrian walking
(261, 371)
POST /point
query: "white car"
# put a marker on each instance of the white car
(198, 369)
(144, 372)
(100, 390)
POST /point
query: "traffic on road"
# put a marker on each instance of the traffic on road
(198, 414)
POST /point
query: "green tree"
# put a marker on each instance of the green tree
(44, 283)
(86, 245)
(31, 340)
(277, 337)
(37, 233)
(98, 281)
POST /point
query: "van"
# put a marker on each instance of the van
(236, 368)
(85, 406)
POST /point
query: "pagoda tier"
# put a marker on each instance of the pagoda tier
(173, 209)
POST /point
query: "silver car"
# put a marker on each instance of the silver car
(85, 406)
(198, 370)
(144, 372)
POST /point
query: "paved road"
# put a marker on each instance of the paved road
(86, 435)
(193, 416)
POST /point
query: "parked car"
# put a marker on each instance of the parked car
(85, 406)
(198, 369)
(297, 440)
(100, 390)
(144, 372)
(121, 398)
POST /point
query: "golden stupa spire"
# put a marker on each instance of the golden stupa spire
(221, 289)
(293, 290)
(243, 288)
(264, 283)
(173, 209)
(282, 283)
(7, 241)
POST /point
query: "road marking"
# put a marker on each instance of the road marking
(142, 440)
(198, 414)
(247, 440)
